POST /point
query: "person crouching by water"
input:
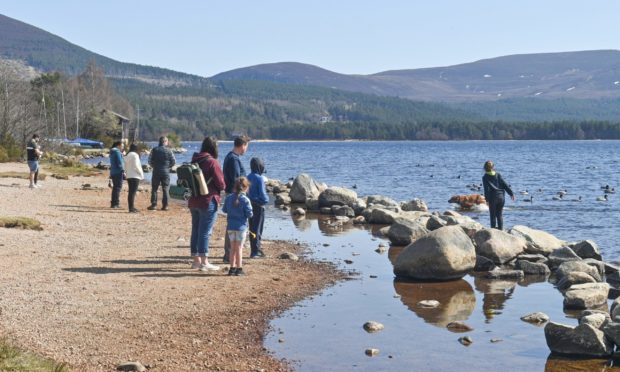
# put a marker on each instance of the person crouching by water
(259, 198)
(204, 207)
(238, 208)
(494, 189)
(117, 172)
(134, 175)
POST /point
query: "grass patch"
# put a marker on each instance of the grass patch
(70, 170)
(20, 175)
(25, 223)
(13, 359)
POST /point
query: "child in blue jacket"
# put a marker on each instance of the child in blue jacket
(259, 198)
(239, 209)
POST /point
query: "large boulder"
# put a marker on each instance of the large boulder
(538, 241)
(403, 231)
(561, 255)
(381, 200)
(572, 278)
(584, 340)
(343, 210)
(497, 245)
(282, 199)
(532, 268)
(434, 223)
(382, 216)
(337, 196)
(586, 249)
(414, 205)
(586, 296)
(304, 187)
(580, 266)
(443, 254)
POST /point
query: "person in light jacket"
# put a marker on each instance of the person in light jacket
(134, 171)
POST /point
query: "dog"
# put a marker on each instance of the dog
(468, 202)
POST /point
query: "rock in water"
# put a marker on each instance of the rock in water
(532, 268)
(372, 352)
(381, 200)
(577, 266)
(444, 254)
(586, 249)
(303, 188)
(404, 231)
(538, 241)
(572, 278)
(466, 340)
(561, 255)
(372, 326)
(414, 205)
(498, 246)
(583, 340)
(337, 196)
(428, 303)
(459, 327)
(586, 296)
(535, 318)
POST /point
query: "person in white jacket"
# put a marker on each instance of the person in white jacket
(134, 171)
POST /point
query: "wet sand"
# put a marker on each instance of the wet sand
(97, 286)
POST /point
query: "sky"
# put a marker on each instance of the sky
(205, 37)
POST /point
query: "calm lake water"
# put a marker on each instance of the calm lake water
(325, 332)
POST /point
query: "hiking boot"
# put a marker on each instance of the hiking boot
(115, 206)
(239, 272)
(164, 208)
(134, 210)
(232, 271)
(152, 208)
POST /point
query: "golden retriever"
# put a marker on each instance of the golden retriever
(467, 201)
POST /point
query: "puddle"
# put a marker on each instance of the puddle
(325, 332)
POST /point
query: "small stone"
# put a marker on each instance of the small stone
(466, 340)
(280, 340)
(131, 366)
(373, 277)
(380, 250)
(372, 352)
(428, 303)
(535, 318)
(348, 262)
(288, 256)
(372, 326)
(458, 327)
(325, 244)
(180, 239)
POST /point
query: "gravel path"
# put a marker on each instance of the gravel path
(98, 286)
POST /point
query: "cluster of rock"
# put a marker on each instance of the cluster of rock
(448, 246)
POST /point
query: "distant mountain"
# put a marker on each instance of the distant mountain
(585, 75)
(46, 52)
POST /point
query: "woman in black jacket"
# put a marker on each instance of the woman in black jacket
(494, 189)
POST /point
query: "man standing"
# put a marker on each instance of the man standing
(117, 172)
(34, 152)
(233, 169)
(161, 159)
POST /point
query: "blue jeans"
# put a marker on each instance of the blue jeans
(203, 220)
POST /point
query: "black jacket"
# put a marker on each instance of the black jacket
(161, 159)
(495, 186)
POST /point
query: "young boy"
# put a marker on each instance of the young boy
(259, 198)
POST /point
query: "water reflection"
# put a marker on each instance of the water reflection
(456, 300)
(496, 293)
(328, 225)
(532, 279)
(556, 363)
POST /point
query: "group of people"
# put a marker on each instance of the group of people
(244, 204)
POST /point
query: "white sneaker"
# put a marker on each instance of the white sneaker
(196, 265)
(208, 266)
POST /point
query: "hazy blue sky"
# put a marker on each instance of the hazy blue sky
(347, 36)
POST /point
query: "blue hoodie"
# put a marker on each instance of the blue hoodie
(258, 191)
(117, 163)
(237, 215)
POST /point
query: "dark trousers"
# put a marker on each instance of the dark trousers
(117, 185)
(164, 181)
(257, 222)
(496, 207)
(133, 188)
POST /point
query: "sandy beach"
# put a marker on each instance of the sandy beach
(98, 287)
